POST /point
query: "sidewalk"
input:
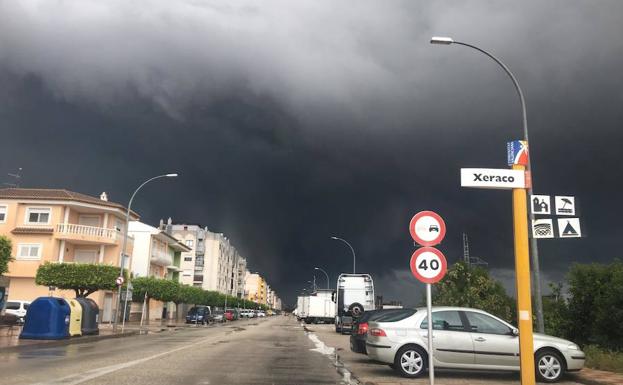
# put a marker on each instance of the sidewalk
(598, 377)
(9, 338)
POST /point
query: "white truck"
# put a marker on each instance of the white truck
(355, 295)
(320, 307)
(302, 304)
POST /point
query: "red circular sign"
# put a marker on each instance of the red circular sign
(427, 228)
(428, 264)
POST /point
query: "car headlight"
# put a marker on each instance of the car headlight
(573, 347)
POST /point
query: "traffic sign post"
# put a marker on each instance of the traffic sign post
(428, 265)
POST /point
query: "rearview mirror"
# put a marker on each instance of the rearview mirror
(514, 332)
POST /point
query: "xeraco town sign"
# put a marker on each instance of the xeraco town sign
(494, 178)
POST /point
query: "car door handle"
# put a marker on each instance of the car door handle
(426, 336)
(480, 339)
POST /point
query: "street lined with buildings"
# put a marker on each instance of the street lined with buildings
(61, 226)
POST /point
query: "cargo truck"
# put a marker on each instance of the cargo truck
(354, 296)
(320, 307)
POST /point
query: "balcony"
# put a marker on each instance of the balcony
(161, 259)
(87, 234)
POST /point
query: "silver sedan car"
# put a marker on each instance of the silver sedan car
(466, 338)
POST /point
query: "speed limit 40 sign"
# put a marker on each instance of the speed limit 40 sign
(428, 264)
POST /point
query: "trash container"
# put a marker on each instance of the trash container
(47, 319)
(90, 316)
(75, 318)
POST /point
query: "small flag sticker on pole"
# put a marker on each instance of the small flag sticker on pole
(517, 152)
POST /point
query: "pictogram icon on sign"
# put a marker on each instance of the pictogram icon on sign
(427, 228)
(119, 281)
(542, 228)
(569, 228)
(428, 265)
(565, 205)
(541, 204)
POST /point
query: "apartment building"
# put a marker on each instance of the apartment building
(255, 287)
(58, 225)
(192, 261)
(221, 265)
(242, 274)
(155, 254)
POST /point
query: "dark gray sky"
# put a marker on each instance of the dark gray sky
(290, 122)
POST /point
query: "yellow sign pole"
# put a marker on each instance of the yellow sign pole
(522, 276)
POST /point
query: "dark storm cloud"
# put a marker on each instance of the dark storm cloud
(294, 121)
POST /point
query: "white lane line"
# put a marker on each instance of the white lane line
(79, 378)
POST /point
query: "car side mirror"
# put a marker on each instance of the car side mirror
(514, 332)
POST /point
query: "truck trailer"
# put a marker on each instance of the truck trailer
(320, 307)
(354, 296)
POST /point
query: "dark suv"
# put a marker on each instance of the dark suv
(199, 314)
(360, 325)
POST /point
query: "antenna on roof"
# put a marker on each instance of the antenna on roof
(16, 176)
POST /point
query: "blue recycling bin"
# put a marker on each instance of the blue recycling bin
(47, 319)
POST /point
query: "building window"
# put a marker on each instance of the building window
(188, 259)
(189, 243)
(2, 213)
(29, 251)
(38, 215)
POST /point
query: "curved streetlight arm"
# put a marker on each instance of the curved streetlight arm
(533, 242)
(125, 240)
(351, 249)
(327, 275)
(522, 100)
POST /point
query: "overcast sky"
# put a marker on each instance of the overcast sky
(290, 122)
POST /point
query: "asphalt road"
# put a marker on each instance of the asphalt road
(266, 351)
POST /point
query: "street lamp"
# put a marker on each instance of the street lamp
(125, 240)
(351, 249)
(521, 240)
(325, 273)
(440, 40)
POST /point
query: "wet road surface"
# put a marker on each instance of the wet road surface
(266, 351)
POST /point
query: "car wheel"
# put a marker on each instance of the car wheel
(410, 361)
(549, 366)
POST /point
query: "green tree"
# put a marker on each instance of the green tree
(556, 312)
(471, 286)
(5, 254)
(164, 290)
(596, 304)
(83, 278)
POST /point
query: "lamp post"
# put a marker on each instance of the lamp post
(521, 238)
(351, 249)
(125, 241)
(327, 275)
(534, 250)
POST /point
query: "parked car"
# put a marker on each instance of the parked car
(18, 308)
(261, 314)
(246, 313)
(217, 316)
(466, 338)
(360, 326)
(199, 314)
(231, 314)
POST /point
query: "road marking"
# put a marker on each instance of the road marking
(75, 379)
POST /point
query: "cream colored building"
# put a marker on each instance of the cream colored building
(60, 226)
(154, 256)
(255, 287)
